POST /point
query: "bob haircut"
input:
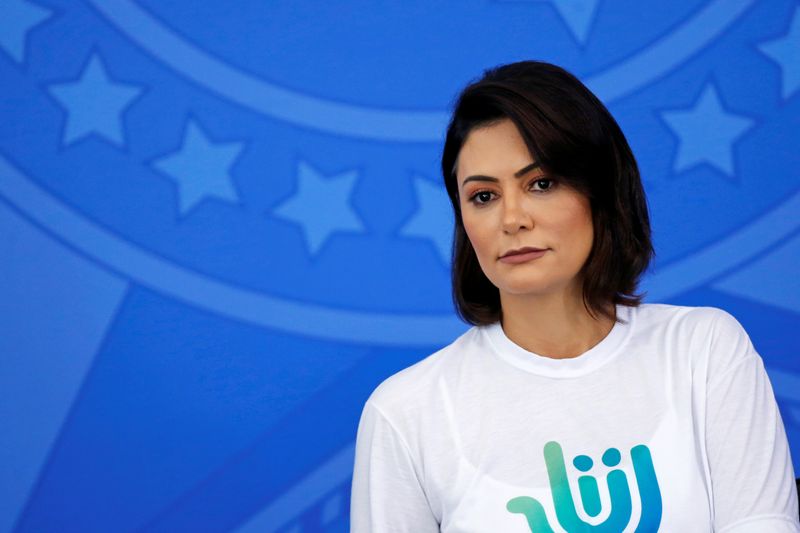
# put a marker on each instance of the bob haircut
(574, 138)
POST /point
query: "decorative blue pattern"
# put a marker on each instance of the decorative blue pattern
(706, 132)
(19, 17)
(94, 104)
(317, 195)
(227, 227)
(784, 52)
(433, 218)
(201, 168)
(577, 15)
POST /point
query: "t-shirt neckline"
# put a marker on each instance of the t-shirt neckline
(588, 361)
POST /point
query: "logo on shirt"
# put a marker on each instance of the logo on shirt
(618, 488)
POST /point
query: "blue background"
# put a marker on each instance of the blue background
(222, 225)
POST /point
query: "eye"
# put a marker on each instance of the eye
(549, 182)
(481, 197)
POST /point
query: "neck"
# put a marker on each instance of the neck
(555, 325)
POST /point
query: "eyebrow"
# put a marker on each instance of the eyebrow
(518, 174)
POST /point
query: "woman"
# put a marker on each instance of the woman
(569, 405)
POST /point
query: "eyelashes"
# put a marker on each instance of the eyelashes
(479, 198)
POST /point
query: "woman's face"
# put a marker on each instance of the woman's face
(502, 211)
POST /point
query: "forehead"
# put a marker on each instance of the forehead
(496, 150)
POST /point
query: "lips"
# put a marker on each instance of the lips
(525, 250)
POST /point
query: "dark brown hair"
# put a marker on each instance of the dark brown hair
(574, 138)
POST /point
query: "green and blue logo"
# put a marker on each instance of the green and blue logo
(618, 489)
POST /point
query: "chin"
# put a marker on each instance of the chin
(527, 284)
(525, 287)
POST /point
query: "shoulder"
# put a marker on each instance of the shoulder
(661, 311)
(685, 319)
(711, 338)
(415, 385)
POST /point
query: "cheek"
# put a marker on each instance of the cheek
(579, 230)
(476, 233)
(574, 214)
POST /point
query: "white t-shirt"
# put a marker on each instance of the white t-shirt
(668, 424)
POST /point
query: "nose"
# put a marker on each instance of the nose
(515, 215)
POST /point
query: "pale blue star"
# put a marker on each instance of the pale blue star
(17, 18)
(433, 219)
(706, 132)
(578, 15)
(785, 51)
(201, 168)
(320, 206)
(94, 103)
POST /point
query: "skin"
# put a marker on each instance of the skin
(543, 311)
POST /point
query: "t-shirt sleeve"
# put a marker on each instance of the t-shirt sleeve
(387, 495)
(748, 452)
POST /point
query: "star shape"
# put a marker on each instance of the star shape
(201, 168)
(706, 132)
(94, 103)
(321, 205)
(785, 51)
(433, 219)
(17, 18)
(578, 15)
